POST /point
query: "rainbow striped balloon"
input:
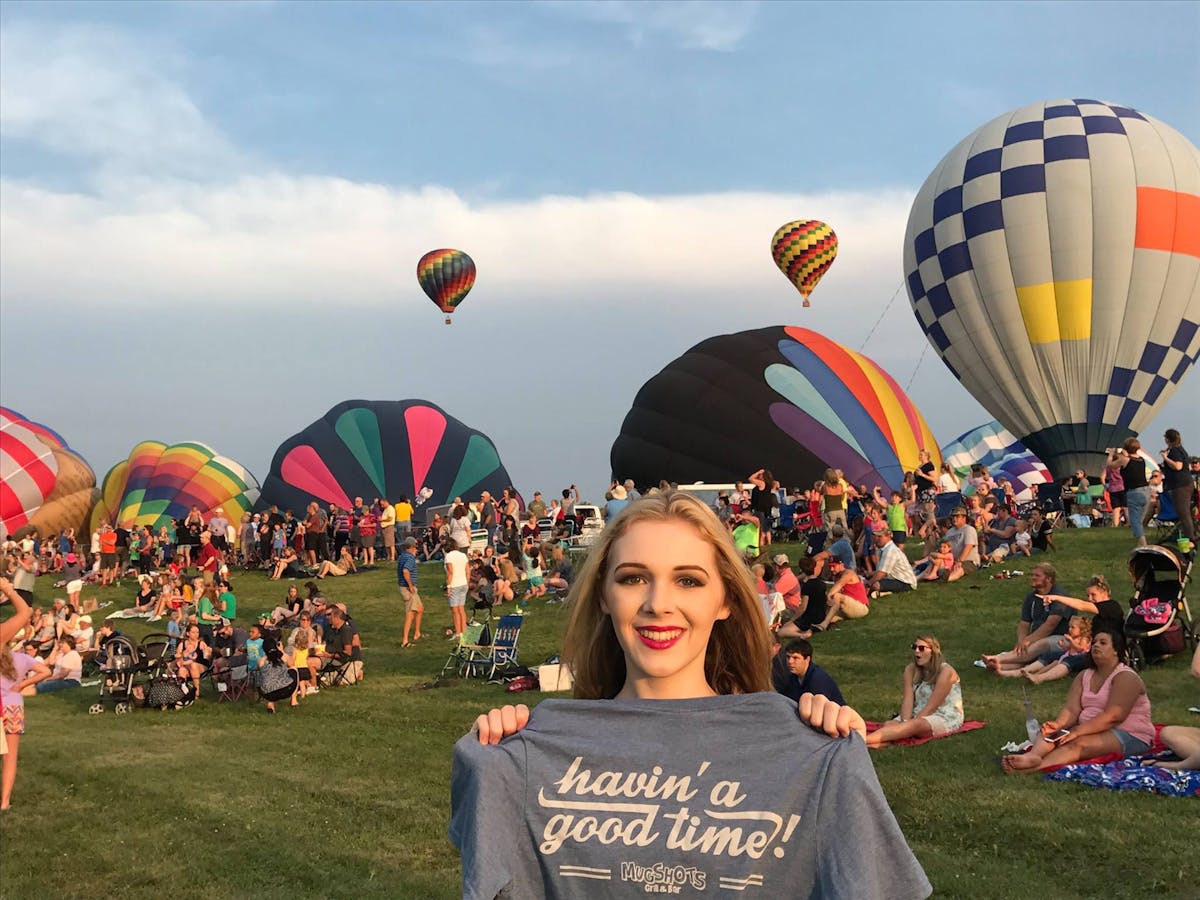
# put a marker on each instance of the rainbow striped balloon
(804, 250)
(446, 277)
(157, 482)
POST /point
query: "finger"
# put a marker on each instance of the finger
(508, 716)
(481, 728)
(522, 712)
(495, 726)
(849, 721)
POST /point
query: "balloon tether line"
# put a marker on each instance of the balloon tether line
(867, 339)
(913, 376)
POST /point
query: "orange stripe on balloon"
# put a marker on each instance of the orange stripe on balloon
(1167, 220)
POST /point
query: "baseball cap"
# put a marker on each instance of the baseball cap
(959, 511)
(70, 557)
(224, 621)
(780, 559)
(87, 619)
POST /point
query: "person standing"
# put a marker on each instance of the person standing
(406, 577)
(456, 584)
(25, 576)
(387, 528)
(1177, 482)
(1128, 459)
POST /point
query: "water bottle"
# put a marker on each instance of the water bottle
(1032, 728)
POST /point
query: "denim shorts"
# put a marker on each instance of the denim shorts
(1130, 746)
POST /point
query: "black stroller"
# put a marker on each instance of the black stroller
(1160, 622)
(137, 674)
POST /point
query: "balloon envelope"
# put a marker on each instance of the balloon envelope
(383, 448)
(785, 398)
(158, 482)
(1053, 261)
(994, 446)
(44, 484)
(446, 277)
(804, 250)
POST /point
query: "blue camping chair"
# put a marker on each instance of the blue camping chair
(944, 503)
(486, 661)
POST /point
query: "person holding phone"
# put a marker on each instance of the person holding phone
(1106, 711)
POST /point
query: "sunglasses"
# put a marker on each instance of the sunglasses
(921, 647)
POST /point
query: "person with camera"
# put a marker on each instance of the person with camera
(1106, 711)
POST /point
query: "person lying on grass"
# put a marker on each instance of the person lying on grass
(1106, 711)
(1183, 741)
(1070, 657)
(667, 630)
(932, 704)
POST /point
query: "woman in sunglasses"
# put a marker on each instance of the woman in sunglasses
(932, 703)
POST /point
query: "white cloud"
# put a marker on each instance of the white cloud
(277, 239)
(92, 94)
(690, 24)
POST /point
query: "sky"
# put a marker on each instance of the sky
(210, 213)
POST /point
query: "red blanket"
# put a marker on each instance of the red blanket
(912, 742)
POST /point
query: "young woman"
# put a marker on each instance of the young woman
(343, 566)
(847, 596)
(833, 499)
(1177, 481)
(932, 703)
(192, 656)
(1106, 711)
(667, 633)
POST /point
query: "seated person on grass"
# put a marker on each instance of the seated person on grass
(1099, 603)
(786, 582)
(931, 566)
(67, 669)
(998, 534)
(841, 548)
(1106, 711)
(964, 544)
(226, 603)
(1070, 656)
(229, 646)
(1183, 741)
(1041, 532)
(932, 704)
(1040, 625)
(847, 597)
(813, 605)
(793, 673)
(1022, 542)
(344, 566)
(293, 605)
(893, 572)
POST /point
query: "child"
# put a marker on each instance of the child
(298, 660)
(278, 540)
(532, 559)
(929, 567)
(1071, 656)
(174, 628)
(1022, 540)
(897, 519)
(255, 658)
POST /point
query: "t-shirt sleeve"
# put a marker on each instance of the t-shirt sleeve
(1027, 607)
(486, 815)
(861, 850)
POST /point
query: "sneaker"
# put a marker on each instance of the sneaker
(104, 604)
(312, 690)
(156, 618)
(979, 664)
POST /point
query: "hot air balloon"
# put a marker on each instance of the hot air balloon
(157, 482)
(44, 484)
(383, 448)
(804, 250)
(1053, 261)
(446, 277)
(994, 446)
(786, 398)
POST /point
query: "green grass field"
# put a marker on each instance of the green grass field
(348, 796)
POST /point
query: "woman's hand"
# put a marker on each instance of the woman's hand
(822, 714)
(1048, 727)
(497, 724)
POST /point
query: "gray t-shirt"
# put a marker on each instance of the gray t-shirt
(964, 536)
(620, 798)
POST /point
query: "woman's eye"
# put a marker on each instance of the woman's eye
(631, 579)
(689, 582)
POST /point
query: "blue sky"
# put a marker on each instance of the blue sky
(232, 182)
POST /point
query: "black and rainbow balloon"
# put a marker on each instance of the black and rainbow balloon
(446, 276)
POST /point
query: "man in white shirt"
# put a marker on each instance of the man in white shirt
(894, 574)
(456, 584)
(68, 669)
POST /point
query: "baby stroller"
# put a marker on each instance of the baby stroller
(1159, 622)
(136, 674)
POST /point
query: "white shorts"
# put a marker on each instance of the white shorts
(74, 587)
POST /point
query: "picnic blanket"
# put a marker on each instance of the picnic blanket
(969, 725)
(1103, 759)
(1128, 775)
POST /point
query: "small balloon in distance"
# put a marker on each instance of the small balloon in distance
(446, 276)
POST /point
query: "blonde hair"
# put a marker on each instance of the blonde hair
(929, 674)
(737, 660)
(7, 667)
(1084, 624)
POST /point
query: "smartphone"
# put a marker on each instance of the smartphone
(1055, 736)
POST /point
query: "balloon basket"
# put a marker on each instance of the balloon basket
(807, 304)
(447, 320)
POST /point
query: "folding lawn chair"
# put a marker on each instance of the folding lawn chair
(474, 638)
(1166, 520)
(232, 683)
(337, 672)
(486, 660)
(945, 502)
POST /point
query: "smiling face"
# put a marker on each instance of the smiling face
(663, 592)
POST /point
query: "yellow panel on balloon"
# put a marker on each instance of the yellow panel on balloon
(1057, 310)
